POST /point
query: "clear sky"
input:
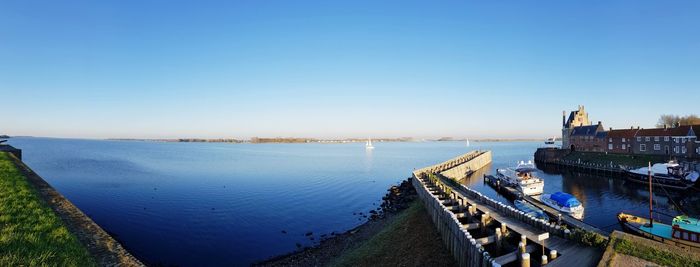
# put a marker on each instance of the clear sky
(165, 69)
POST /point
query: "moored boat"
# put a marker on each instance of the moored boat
(669, 175)
(683, 231)
(530, 209)
(549, 141)
(565, 203)
(521, 178)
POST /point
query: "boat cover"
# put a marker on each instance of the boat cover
(687, 223)
(565, 200)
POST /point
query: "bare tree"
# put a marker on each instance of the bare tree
(673, 120)
(690, 120)
(667, 120)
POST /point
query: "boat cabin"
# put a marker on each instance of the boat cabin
(685, 228)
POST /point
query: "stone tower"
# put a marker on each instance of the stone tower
(576, 118)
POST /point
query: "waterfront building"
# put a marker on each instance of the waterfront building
(676, 141)
(576, 118)
(621, 140)
(590, 138)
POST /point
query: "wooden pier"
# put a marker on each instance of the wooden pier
(480, 231)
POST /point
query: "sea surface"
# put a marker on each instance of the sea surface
(217, 204)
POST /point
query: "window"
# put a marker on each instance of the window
(624, 146)
(675, 149)
(683, 140)
(697, 150)
(656, 139)
(675, 140)
(677, 234)
(684, 149)
(647, 138)
(623, 139)
(610, 146)
(642, 147)
(666, 138)
(657, 147)
(639, 139)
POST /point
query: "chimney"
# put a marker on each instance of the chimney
(610, 128)
(631, 127)
(563, 118)
(665, 126)
(600, 123)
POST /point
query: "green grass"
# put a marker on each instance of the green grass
(410, 240)
(590, 239)
(658, 256)
(31, 234)
(621, 159)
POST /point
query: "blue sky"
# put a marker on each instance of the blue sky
(165, 69)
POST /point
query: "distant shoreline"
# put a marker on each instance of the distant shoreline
(312, 140)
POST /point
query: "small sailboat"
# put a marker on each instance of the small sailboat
(521, 178)
(530, 209)
(468, 142)
(565, 203)
(683, 231)
(369, 145)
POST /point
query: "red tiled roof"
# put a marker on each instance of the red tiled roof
(626, 133)
(676, 131)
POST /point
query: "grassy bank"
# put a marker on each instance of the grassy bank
(411, 240)
(653, 254)
(31, 234)
(618, 159)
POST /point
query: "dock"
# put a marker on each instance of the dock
(480, 231)
(565, 218)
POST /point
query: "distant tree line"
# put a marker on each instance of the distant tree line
(675, 120)
(280, 140)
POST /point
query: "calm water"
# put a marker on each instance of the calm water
(227, 204)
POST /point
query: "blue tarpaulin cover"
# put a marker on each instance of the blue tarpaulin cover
(564, 199)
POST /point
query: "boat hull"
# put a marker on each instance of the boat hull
(576, 213)
(669, 183)
(632, 224)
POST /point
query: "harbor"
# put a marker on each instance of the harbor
(475, 227)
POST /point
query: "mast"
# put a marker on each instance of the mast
(651, 215)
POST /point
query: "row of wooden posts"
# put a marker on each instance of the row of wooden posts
(442, 202)
(467, 250)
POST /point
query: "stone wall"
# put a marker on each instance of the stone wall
(470, 164)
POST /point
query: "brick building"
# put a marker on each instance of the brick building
(673, 141)
(621, 140)
(588, 138)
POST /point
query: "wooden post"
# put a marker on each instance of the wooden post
(552, 254)
(544, 259)
(499, 237)
(525, 260)
(523, 239)
(504, 228)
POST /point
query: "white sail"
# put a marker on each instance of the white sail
(368, 145)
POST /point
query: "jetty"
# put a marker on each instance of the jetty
(480, 231)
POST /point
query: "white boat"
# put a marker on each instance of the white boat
(669, 175)
(369, 145)
(565, 203)
(467, 141)
(549, 141)
(521, 178)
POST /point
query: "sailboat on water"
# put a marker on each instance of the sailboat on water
(369, 145)
(468, 142)
(683, 231)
